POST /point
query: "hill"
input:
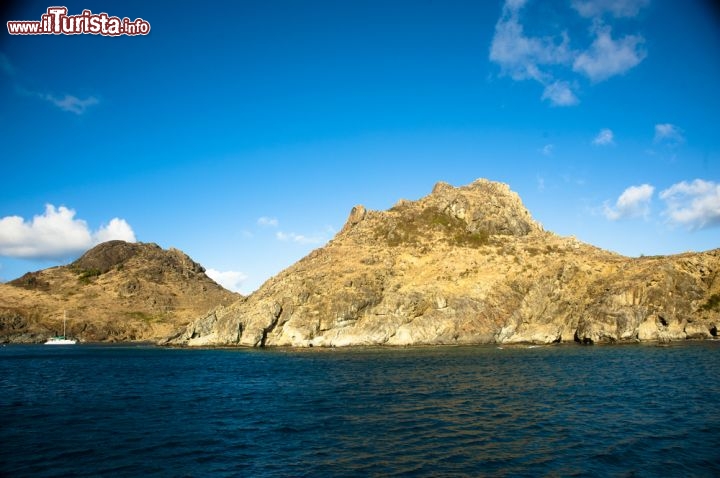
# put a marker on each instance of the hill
(467, 265)
(117, 291)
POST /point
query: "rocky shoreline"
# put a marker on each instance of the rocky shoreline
(460, 266)
(465, 266)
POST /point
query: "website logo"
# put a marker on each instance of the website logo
(56, 21)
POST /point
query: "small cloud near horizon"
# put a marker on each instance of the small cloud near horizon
(299, 238)
(634, 202)
(695, 204)
(268, 221)
(231, 280)
(316, 238)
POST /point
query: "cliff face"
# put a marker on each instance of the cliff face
(464, 266)
(116, 291)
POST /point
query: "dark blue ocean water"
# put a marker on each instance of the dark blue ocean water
(636, 410)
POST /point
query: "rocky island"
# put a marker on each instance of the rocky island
(115, 292)
(467, 265)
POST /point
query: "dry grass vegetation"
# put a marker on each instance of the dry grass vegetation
(117, 291)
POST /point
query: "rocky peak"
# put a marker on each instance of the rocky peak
(111, 254)
(107, 255)
(483, 208)
(357, 214)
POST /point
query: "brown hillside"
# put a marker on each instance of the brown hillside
(116, 291)
(463, 266)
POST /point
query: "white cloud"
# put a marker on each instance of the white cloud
(72, 104)
(515, 4)
(668, 134)
(549, 59)
(695, 205)
(604, 138)
(633, 202)
(521, 56)
(268, 221)
(231, 280)
(540, 183)
(316, 238)
(607, 57)
(56, 234)
(68, 103)
(547, 150)
(116, 229)
(618, 8)
(300, 238)
(560, 94)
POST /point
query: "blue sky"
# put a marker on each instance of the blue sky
(243, 133)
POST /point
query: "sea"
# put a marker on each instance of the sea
(564, 410)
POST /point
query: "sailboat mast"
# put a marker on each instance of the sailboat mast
(64, 320)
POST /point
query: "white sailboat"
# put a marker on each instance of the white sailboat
(61, 339)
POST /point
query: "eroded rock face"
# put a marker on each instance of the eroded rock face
(467, 265)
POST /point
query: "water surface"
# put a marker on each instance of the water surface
(638, 410)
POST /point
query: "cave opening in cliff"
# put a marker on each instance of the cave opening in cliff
(584, 340)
